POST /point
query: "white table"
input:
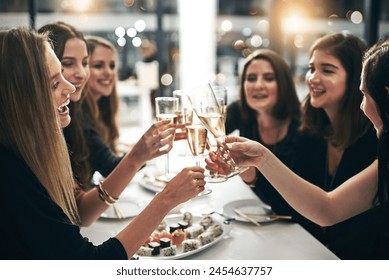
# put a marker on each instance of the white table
(280, 240)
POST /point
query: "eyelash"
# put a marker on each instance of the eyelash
(55, 85)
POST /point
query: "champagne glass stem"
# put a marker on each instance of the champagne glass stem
(167, 166)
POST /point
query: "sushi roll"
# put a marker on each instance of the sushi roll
(165, 242)
(188, 217)
(155, 246)
(178, 236)
(183, 225)
(144, 251)
(206, 221)
(216, 230)
(194, 231)
(206, 237)
(173, 227)
(190, 245)
(169, 251)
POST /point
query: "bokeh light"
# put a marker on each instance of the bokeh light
(356, 17)
(131, 32)
(120, 31)
(140, 25)
(136, 42)
(166, 79)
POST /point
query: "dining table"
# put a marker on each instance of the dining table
(276, 239)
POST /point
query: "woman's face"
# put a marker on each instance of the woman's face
(260, 86)
(75, 65)
(369, 108)
(326, 80)
(60, 87)
(102, 65)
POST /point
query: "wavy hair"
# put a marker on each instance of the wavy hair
(350, 122)
(103, 113)
(28, 120)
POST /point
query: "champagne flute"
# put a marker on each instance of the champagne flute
(197, 141)
(184, 116)
(166, 108)
(207, 108)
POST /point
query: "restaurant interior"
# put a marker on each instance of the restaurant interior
(196, 42)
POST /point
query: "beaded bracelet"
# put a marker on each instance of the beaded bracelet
(104, 195)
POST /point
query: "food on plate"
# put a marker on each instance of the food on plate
(216, 230)
(191, 244)
(180, 236)
(206, 221)
(194, 231)
(169, 251)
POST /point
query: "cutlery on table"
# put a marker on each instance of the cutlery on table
(118, 212)
(248, 218)
(271, 216)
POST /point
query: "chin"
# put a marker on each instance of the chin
(65, 121)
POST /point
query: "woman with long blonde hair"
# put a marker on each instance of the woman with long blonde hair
(35, 167)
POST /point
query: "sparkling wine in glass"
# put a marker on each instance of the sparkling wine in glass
(166, 108)
(208, 110)
(197, 142)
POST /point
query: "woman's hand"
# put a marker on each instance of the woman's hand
(159, 135)
(185, 185)
(243, 151)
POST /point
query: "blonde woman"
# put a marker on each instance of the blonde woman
(35, 167)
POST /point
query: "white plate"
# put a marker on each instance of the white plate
(248, 206)
(151, 184)
(175, 218)
(130, 207)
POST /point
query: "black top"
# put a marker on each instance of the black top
(101, 157)
(33, 226)
(355, 238)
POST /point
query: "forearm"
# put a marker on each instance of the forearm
(306, 198)
(91, 205)
(134, 235)
(249, 176)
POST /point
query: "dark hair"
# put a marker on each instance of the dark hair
(350, 122)
(287, 105)
(376, 79)
(59, 33)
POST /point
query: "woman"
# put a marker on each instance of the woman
(71, 49)
(36, 170)
(88, 152)
(337, 139)
(268, 111)
(102, 103)
(365, 191)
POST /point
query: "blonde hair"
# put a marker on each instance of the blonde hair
(28, 121)
(103, 113)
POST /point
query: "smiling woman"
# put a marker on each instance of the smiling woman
(35, 167)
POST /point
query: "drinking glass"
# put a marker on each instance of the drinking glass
(166, 108)
(184, 115)
(206, 106)
(197, 141)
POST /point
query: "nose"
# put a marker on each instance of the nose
(312, 77)
(81, 73)
(69, 88)
(259, 83)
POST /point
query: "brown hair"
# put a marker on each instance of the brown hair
(350, 122)
(288, 105)
(60, 33)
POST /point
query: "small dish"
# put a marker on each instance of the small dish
(129, 207)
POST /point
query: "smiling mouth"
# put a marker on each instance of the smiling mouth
(64, 109)
(317, 92)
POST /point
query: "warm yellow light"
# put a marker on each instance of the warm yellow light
(294, 22)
